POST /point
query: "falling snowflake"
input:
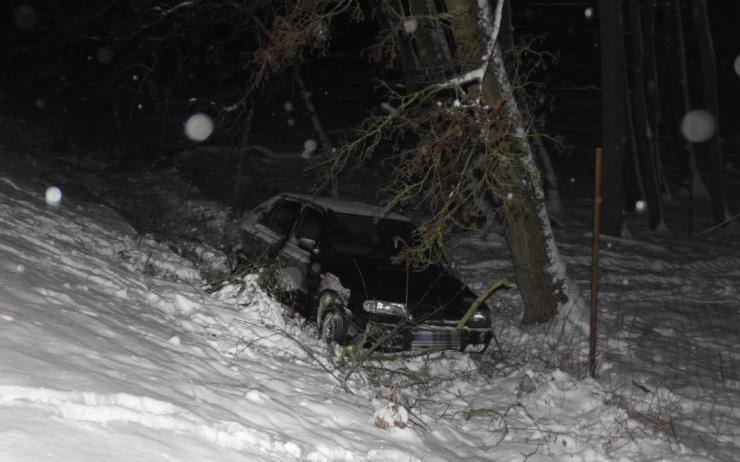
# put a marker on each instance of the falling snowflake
(53, 195)
(589, 12)
(308, 148)
(640, 206)
(199, 127)
(698, 126)
(288, 106)
(410, 25)
(322, 31)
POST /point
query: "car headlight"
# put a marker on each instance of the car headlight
(479, 316)
(381, 307)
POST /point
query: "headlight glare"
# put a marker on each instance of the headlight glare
(389, 308)
(480, 316)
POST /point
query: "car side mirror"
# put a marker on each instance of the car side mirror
(307, 244)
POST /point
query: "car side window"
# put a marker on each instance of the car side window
(265, 216)
(310, 226)
(281, 218)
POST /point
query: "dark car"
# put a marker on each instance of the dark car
(340, 261)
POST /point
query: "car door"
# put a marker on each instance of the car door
(273, 228)
(300, 263)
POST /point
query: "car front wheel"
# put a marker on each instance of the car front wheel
(333, 328)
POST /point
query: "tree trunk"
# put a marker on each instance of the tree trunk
(539, 271)
(243, 151)
(430, 48)
(410, 62)
(697, 189)
(318, 127)
(552, 193)
(652, 93)
(633, 184)
(612, 116)
(550, 178)
(642, 123)
(711, 100)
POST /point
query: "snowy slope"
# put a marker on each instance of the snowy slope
(112, 350)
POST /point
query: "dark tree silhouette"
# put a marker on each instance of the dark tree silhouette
(613, 117)
(711, 101)
(643, 130)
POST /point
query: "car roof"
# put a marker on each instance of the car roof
(345, 206)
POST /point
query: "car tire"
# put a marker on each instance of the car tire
(333, 328)
(478, 348)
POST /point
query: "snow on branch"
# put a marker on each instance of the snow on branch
(171, 10)
(492, 26)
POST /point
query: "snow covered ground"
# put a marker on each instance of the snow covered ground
(113, 350)
(669, 323)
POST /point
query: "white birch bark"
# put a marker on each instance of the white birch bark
(573, 312)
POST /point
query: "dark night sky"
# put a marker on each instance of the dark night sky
(45, 61)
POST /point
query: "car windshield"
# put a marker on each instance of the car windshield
(363, 236)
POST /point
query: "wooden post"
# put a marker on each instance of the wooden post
(595, 262)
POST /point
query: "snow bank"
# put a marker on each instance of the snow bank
(113, 351)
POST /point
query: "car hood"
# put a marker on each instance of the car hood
(433, 293)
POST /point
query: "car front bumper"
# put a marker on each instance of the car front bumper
(433, 337)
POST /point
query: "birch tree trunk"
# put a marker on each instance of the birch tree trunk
(540, 273)
(550, 179)
(539, 270)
